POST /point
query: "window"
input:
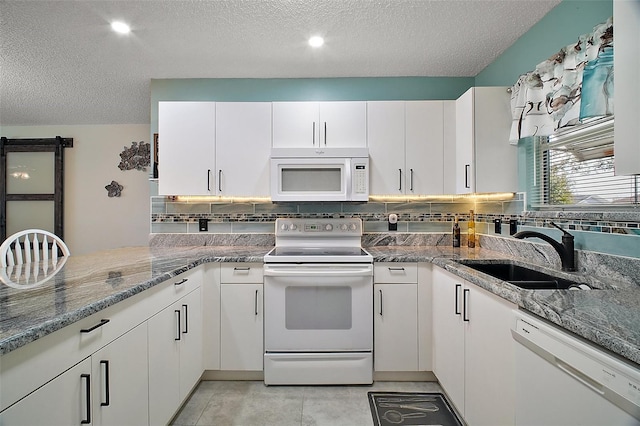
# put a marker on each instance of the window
(576, 168)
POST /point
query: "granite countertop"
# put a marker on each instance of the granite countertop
(89, 283)
(608, 316)
(86, 284)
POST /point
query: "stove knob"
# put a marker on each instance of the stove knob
(328, 227)
(284, 227)
(344, 227)
(293, 227)
(352, 227)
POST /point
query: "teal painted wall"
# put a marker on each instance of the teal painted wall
(305, 89)
(560, 27)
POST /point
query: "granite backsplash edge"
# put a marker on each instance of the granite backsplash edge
(618, 268)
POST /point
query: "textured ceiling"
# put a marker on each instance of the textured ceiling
(61, 64)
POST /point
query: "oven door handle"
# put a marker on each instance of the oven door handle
(302, 272)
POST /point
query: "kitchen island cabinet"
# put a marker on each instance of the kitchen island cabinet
(319, 124)
(473, 349)
(175, 350)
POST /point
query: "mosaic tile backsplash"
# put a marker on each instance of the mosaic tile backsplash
(616, 233)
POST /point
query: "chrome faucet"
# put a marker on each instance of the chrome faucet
(565, 250)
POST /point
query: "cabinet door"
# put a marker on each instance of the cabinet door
(64, 401)
(241, 327)
(164, 361)
(186, 138)
(121, 380)
(385, 134)
(465, 171)
(424, 147)
(448, 334)
(243, 146)
(295, 124)
(626, 15)
(343, 124)
(396, 327)
(492, 124)
(449, 142)
(489, 359)
(191, 341)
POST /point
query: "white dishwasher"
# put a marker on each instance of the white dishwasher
(561, 380)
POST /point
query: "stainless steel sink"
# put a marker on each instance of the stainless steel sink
(521, 276)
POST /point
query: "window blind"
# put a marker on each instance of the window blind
(577, 168)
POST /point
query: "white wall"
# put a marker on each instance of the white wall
(92, 220)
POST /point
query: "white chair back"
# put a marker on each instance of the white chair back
(30, 258)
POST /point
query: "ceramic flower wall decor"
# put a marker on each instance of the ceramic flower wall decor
(137, 157)
(114, 189)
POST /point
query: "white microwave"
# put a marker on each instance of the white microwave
(316, 174)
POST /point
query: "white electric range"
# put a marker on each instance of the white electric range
(318, 298)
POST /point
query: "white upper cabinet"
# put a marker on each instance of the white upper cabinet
(406, 148)
(186, 154)
(626, 61)
(319, 124)
(243, 145)
(424, 132)
(385, 128)
(485, 161)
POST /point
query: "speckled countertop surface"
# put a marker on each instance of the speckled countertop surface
(87, 284)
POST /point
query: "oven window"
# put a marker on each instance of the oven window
(318, 308)
(311, 179)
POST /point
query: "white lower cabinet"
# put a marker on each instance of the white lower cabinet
(175, 356)
(241, 327)
(119, 379)
(473, 351)
(395, 314)
(63, 401)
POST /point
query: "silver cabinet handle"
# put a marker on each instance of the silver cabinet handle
(467, 167)
(457, 290)
(400, 175)
(245, 268)
(396, 268)
(380, 302)
(465, 301)
(220, 180)
(256, 303)
(325, 133)
(313, 134)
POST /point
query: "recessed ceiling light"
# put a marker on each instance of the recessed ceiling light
(316, 41)
(120, 27)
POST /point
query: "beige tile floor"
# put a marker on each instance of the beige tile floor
(251, 403)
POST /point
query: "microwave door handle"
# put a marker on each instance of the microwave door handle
(348, 178)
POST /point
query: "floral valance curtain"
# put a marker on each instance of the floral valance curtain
(571, 86)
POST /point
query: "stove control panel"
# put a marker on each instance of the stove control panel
(328, 227)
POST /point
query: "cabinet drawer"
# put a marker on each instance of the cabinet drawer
(241, 273)
(394, 272)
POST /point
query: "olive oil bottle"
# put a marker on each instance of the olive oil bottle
(471, 232)
(456, 232)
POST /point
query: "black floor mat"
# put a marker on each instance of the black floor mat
(401, 408)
